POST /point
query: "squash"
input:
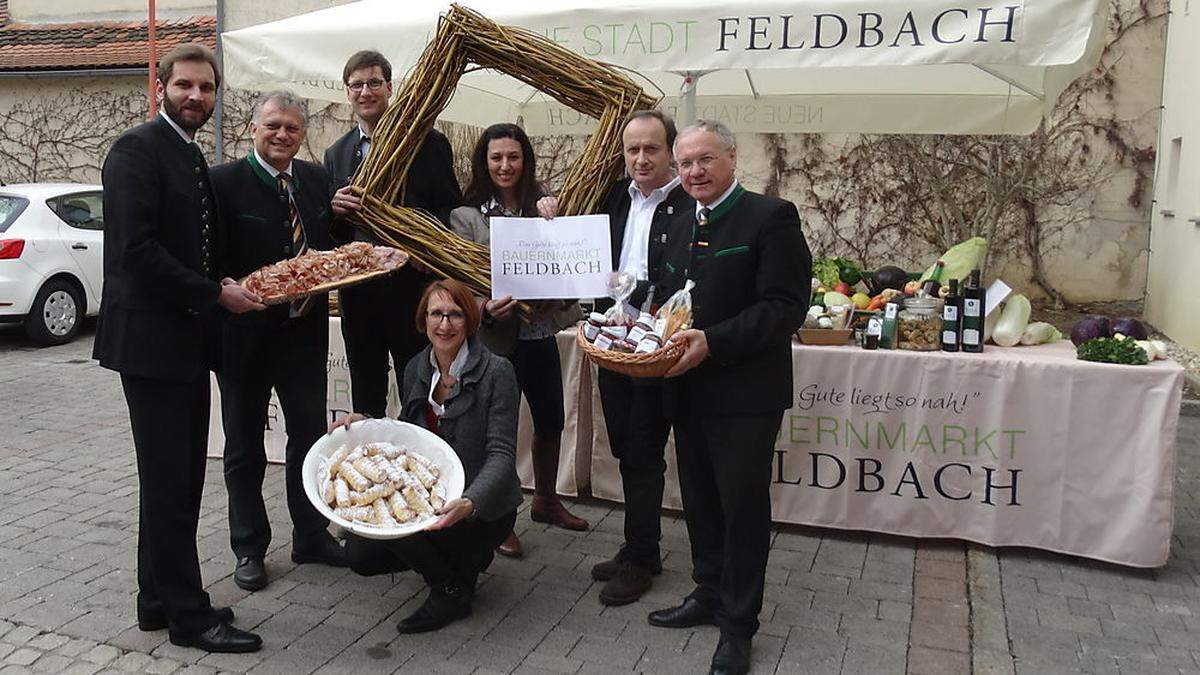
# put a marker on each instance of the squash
(1013, 320)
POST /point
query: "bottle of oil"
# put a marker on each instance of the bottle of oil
(974, 300)
(952, 319)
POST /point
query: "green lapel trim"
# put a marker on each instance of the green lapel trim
(725, 206)
(266, 177)
(734, 250)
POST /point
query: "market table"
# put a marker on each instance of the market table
(576, 439)
(1025, 446)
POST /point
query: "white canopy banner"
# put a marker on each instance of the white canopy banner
(830, 65)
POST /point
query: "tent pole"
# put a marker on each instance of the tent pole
(1011, 82)
(687, 97)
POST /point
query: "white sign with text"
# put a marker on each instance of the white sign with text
(538, 259)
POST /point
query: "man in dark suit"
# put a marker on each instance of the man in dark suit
(157, 328)
(639, 209)
(726, 396)
(372, 327)
(276, 207)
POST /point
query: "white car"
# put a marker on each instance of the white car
(51, 257)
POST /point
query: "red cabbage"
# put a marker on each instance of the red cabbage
(1130, 327)
(1090, 328)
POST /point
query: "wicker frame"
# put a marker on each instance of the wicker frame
(465, 37)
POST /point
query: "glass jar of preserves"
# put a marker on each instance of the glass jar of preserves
(919, 326)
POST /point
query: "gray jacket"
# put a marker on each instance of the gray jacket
(471, 224)
(480, 423)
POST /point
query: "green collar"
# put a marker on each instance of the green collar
(727, 205)
(265, 176)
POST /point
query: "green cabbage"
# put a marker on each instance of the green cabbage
(1013, 320)
(960, 260)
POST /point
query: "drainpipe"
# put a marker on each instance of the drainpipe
(153, 59)
(219, 114)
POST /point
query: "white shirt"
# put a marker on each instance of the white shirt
(456, 368)
(635, 247)
(364, 141)
(178, 129)
(272, 170)
(718, 200)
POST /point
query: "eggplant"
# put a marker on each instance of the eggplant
(885, 277)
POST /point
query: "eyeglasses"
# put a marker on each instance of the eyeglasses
(436, 316)
(372, 84)
(703, 163)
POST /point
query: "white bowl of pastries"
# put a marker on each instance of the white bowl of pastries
(382, 479)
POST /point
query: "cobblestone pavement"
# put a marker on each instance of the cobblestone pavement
(835, 602)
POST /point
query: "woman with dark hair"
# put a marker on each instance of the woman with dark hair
(459, 390)
(503, 184)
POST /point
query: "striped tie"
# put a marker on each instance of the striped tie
(299, 241)
(702, 226)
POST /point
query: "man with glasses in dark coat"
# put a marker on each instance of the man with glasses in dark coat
(370, 312)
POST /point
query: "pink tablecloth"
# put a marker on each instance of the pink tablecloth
(1026, 446)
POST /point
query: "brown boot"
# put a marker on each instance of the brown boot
(546, 506)
(551, 510)
(511, 547)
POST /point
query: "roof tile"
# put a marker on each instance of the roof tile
(95, 44)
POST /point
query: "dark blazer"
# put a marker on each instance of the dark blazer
(480, 423)
(159, 304)
(616, 204)
(258, 232)
(752, 291)
(431, 183)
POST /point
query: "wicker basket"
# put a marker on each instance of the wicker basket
(652, 364)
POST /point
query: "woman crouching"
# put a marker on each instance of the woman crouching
(459, 390)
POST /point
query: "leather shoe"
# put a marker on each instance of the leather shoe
(732, 656)
(446, 603)
(690, 613)
(511, 547)
(322, 549)
(221, 638)
(631, 582)
(156, 619)
(603, 571)
(551, 510)
(250, 573)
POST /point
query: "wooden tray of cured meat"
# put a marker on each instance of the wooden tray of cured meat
(323, 271)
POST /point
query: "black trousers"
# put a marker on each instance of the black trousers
(378, 320)
(169, 421)
(458, 553)
(294, 364)
(725, 480)
(637, 434)
(539, 377)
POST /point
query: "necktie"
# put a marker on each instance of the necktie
(702, 226)
(299, 241)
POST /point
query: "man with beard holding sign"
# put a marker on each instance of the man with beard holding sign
(158, 322)
(726, 396)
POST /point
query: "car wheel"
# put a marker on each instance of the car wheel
(56, 315)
